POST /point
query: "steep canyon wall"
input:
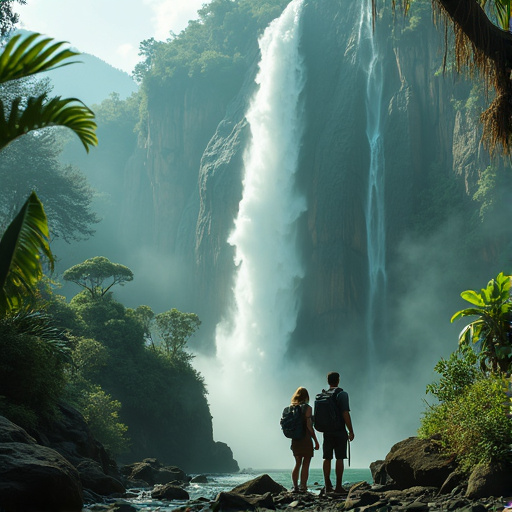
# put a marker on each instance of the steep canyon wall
(197, 136)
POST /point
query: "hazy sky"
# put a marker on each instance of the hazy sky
(109, 29)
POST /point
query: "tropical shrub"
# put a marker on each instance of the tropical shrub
(469, 418)
(32, 362)
(101, 413)
(490, 332)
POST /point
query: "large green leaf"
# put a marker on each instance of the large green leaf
(25, 56)
(473, 297)
(466, 312)
(24, 240)
(40, 113)
(22, 57)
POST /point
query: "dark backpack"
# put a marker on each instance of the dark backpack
(292, 422)
(327, 415)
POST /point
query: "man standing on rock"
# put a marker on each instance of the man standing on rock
(335, 438)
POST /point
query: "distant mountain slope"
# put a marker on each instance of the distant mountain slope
(91, 79)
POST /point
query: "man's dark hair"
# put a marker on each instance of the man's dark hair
(333, 378)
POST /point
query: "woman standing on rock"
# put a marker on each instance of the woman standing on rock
(303, 448)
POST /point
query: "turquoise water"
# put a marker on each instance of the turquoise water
(225, 482)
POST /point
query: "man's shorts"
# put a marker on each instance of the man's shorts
(336, 443)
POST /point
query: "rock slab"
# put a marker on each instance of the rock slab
(36, 478)
(260, 485)
(417, 462)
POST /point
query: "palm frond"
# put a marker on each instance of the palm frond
(41, 325)
(25, 56)
(24, 240)
(41, 113)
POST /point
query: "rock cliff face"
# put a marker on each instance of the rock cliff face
(196, 141)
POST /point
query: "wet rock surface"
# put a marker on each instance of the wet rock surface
(37, 478)
(153, 472)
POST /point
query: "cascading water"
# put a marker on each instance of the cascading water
(251, 346)
(369, 58)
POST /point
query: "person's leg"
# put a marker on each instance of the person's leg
(327, 475)
(339, 475)
(340, 452)
(327, 449)
(295, 472)
(304, 473)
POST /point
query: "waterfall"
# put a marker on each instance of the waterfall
(251, 346)
(369, 58)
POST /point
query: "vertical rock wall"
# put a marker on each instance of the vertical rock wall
(197, 136)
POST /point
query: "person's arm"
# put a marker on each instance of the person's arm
(309, 426)
(348, 423)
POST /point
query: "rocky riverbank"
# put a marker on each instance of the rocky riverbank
(63, 469)
(415, 476)
(263, 493)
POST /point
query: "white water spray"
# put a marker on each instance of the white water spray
(375, 213)
(250, 348)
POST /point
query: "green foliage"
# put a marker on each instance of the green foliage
(108, 322)
(457, 373)
(26, 56)
(32, 163)
(217, 47)
(20, 264)
(175, 329)
(163, 399)
(92, 274)
(491, 329)
(498, 11)
(90, 357)
(473, 424)
(8, 18)
(100, 410)
(31, 368)
(145, 316)
(101, 413)
(492, 193)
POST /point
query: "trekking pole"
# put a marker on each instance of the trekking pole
(348, 452)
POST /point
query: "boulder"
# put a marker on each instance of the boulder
(379, 473)
(94, 479)
(454, 480)
(199, 479)
(37, 478)
(490, 480)
(259, 485)
(154, 472)
(363, 500)
(121, 506)
(235, 501)
(169, 492)
(11, 433)
(70, 435)
(417, 462)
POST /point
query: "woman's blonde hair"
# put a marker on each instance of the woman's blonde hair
(301, 396)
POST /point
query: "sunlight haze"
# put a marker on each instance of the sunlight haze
(109, 30)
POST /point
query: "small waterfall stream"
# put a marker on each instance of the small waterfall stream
(369, 58)
(251, 346)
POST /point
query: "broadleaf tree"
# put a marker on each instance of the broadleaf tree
(175, 329)
(98, 275)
